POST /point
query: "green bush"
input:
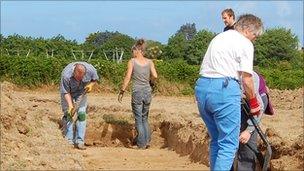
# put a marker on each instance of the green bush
(275, 45)
(178, 71)
(36, 71)
(111, 71)
(283, 79)
(31, 71)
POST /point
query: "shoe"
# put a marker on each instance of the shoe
(71, 142)
(141, 148)
(81, 146)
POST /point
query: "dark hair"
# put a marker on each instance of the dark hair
(229, 12)
(139, 45)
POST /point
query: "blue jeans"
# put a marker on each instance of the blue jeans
(141, 100)
(78, 136)
(218, 101)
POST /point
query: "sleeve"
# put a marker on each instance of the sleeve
(65, 86)
(250, 126)
(93, 73)
(246, 56)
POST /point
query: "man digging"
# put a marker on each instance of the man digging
(77, 79)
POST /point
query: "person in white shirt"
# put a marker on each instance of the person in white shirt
(227, 63)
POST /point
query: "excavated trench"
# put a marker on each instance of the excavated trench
(107, 127)
(28, 123)
(114, 127)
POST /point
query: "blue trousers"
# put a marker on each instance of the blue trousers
(141, 100)
(218, 101)
(68, 125)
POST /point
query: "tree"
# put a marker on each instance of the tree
(17, 45)
(275, 45)
(177, 46)
(1, 38)
(188, 30)
(99, 38)
(198, 47)
(119, 41)
(154, 49)
(62, 46)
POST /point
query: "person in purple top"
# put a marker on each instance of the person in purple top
(246, 157)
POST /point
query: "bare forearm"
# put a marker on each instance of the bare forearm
(68, 98)
(248, 87)
(125, 83)
(153, 72)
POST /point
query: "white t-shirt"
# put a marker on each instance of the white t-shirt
(228, 53)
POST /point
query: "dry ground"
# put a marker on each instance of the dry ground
(31, 138)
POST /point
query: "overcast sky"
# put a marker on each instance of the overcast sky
(156, 20)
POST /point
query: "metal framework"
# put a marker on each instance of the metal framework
(82, 53)
(113, 54)
(117, 54)
(17, 52)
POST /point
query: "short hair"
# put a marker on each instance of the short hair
(229, 12)
(251, 22)
(80, 68)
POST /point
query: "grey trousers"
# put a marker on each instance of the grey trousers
(246, 158)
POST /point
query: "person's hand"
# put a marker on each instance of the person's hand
(89, 87)
(254, 106)
(153, 85)
(120, 95)
(244, 137)
(71, 111)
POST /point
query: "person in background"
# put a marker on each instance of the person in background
(228, 18)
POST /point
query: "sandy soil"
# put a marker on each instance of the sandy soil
(31, 138)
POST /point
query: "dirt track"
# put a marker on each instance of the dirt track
(31, 138)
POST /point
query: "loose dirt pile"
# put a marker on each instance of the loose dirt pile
(31, 138)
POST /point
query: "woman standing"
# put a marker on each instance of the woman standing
(142, 72)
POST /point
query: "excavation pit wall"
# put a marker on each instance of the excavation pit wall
(114, 127)
(30, 134)
(185, 134)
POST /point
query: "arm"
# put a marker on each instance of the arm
(92, 73)
(153, 71)
(65, 89)
(246, 134)
(68, 98)
(126, 80)
(127, 76)
(248, 86)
